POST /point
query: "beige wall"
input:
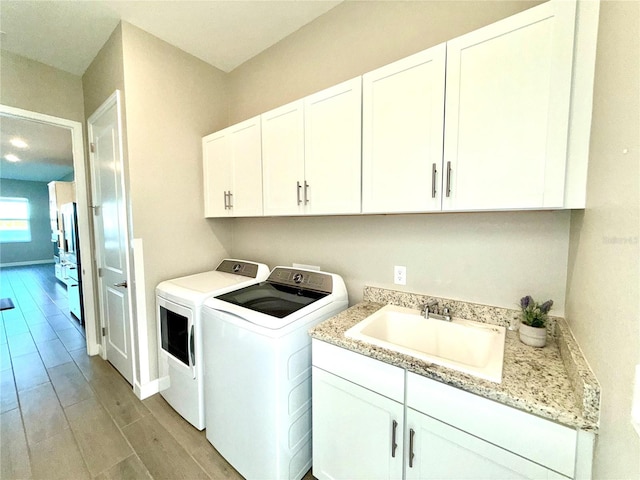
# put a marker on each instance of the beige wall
(105, 73)
(491, 258)
(37, 87)
(349, 40)
(104, 76)
(172, 101)
(604, 276)
(494, 257)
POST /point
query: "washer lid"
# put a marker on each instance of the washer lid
(272, 299)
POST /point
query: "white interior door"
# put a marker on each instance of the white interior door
(112, 240)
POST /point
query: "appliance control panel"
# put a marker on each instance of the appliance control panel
(303, 279)
(238, 267)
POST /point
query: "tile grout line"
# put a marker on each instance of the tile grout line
(100, 401)
(28, 444)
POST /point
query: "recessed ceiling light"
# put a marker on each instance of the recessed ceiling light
(19, 143)
(11, 157)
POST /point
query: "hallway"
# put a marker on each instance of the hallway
(65, 415)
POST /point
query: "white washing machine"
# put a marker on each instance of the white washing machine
(258, 370)
(178, 310)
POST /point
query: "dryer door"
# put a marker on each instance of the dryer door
(177, 336)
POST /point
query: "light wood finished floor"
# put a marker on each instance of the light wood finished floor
(65, 415)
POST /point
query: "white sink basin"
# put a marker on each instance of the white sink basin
(470, 347)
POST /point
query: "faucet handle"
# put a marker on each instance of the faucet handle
(428, 308)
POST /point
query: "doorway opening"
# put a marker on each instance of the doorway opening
(41, 167)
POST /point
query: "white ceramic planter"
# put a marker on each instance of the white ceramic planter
(533, 336)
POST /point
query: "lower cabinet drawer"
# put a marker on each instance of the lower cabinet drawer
(364, 371)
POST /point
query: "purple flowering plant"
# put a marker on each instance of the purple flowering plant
(533, 313)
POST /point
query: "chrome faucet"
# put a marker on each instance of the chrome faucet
(429, 307)
(430, 310)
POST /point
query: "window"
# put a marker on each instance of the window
(14, 220)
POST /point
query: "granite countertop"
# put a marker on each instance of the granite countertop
(535, 380)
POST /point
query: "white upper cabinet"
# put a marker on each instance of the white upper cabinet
(233, 171)
(402, 130)
(508, 91)
(332, 172)
(283, 159)
(497, 119)
(216, 153)
(311, 153)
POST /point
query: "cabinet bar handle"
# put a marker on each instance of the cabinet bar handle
(230, 201)
(448, 179)
(434, 171)
(226, 205)
(411, 455)
(394, 445)
(306, 187)
(298, 187)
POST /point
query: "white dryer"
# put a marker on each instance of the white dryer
(258, 370)
(178, 311)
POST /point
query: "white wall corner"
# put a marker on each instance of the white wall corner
(142, 346)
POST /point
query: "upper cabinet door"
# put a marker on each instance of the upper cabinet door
(217, 169)
(333, 122)
(283, 159)
(246, 148)
(507, 111)
(402, 134)
(233, 171)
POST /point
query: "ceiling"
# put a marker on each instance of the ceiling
(47, 157)
(224, 33)
(69, 34)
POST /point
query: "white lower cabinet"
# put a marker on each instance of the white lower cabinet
(58, 268)
(362, 439)
(372, 420)
(440, 451)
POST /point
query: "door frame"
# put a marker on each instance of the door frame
(115, 99)
(84, 222)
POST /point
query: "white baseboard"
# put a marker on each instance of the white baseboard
(146, 390)
(94, 348)
(31, 262)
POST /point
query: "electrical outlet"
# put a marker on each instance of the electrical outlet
(400, 275)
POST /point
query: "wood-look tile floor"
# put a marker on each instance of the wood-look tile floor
(65, 415)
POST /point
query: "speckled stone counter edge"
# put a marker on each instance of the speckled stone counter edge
(570, 410)
(585, 384)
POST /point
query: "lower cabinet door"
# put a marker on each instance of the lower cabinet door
(58, 272)
(354, 431)
(436, 450)
(73, 293)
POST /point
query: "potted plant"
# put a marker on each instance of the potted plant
(533, 326)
